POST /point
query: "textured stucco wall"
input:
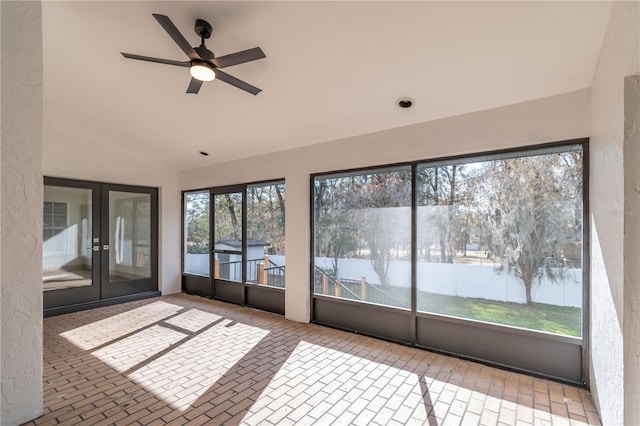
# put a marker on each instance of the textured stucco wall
(21, 212)
(70, 153)
(1, 398)
(550, 119)
(631, 323)
(618, 59)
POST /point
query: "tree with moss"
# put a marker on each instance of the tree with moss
(534, 209)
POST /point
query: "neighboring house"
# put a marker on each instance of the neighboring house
(229, 263)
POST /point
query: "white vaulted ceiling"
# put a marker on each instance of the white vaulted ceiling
(333, 69)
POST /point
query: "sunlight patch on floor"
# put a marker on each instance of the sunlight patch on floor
(193, 320)
(98, 333)
(183, 375)
(456, 403)
(177, 357)
(326, 385)
(133, 350)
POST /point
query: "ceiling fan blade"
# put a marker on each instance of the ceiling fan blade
(238, 58)
(236, 82)
(157, 60)
(194, 86)
(176, 36)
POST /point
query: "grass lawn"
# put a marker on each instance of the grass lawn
(540, 316)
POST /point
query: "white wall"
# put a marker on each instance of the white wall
(618, 58)
(550, 119)
(71, 154)
(21, 212)
(631, 326)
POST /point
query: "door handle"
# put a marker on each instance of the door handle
(105, 247)
(95, 248)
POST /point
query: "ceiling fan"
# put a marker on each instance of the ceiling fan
(203, 65)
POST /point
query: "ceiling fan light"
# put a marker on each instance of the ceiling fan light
(202, 71)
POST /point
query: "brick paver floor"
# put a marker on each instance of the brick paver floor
(186, 360)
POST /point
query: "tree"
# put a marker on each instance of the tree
(534, 203)
(228, 216)
(445, 195)
(382, 214)
(336, 235)
(265, 215)
(358, 215)
(197, 223)
(386, 232)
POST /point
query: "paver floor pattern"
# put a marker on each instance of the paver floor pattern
(186, 360)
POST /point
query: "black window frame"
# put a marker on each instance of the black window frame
(322, 313)
(270, 298)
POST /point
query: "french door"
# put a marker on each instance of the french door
(99, 243)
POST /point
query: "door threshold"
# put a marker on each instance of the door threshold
(50, 312)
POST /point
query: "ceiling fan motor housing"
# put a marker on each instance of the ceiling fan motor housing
(204, 53)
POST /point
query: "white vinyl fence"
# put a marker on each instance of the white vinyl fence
(453, 279)
(464, 280)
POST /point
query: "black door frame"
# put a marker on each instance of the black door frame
(100, 293)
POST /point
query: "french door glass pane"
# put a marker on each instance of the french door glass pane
(265, 233)
(500, 240)
(228, 236)
(130, 236)
(196, 225)
(67, 233)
